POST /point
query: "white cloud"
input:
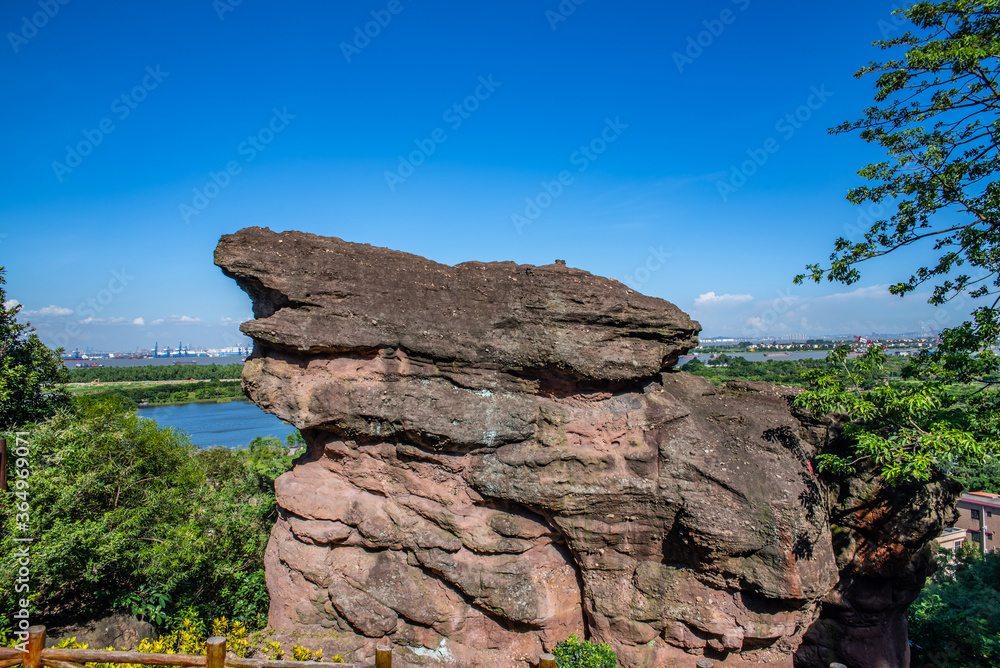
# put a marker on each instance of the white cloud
(117, 320)
(763, 326)
(50, 310)
(11, 303)
(870, 292)
(711, 299)
(175, 319)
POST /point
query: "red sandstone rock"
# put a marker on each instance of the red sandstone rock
(500, 455)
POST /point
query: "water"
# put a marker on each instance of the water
(231, 425)
(161, 361)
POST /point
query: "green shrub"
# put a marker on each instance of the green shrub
(956, 619)
(127, 515)
(576, 653)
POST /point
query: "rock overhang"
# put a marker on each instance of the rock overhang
(316, 294)
(447, 407)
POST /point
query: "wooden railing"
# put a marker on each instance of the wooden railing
(38, 656)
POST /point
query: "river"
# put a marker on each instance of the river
(232, 424)
(159, 361)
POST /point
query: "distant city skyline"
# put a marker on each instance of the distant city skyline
(196, 349)
(680, 148)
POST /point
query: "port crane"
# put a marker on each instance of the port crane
(867, 343)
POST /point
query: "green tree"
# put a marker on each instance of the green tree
(156, 372)
(907, 432)
(937, 117)
(956, 619)
(125, 514)
(29, 371)
(978, 477)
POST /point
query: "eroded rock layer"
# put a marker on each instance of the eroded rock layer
(501, 455)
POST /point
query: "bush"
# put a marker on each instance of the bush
(189, 638)
(127, 515)
(576, 653)
(29, 371)
(956, 619)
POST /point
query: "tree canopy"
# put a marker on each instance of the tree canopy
(955, 621)
(28, 370)
(936, 114)
(128, 515)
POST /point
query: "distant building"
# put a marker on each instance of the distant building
(950, 539)
(977, 511)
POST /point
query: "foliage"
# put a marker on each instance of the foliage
(725, 367)
(29, 371)
(156, 372)
(576, 653)
(266, 456)
(974, 474)
(976, 477)
(937, 116)
(167, 393)
(127, 515)
(955, 621)
(906, 431)
(190, 638)
(300, 653)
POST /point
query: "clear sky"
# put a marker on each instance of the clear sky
(679, 147)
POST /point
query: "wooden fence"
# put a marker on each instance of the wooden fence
(38, 656)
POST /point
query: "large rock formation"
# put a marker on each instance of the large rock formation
(883, 538)
(501, 455)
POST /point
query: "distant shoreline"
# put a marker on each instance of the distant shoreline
(228, 400)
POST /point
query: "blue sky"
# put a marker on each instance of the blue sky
(605, 134)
